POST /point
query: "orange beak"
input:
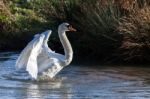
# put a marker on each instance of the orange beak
(70, 28)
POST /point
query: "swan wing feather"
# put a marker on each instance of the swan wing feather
(48, 59)
(26, 52)
(32, 67)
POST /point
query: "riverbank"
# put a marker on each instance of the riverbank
(108, 31)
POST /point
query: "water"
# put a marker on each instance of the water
(75, 82)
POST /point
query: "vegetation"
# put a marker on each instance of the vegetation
(108, 30)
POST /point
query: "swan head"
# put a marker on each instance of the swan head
(66, 27)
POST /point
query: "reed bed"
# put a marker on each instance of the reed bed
(108, 30)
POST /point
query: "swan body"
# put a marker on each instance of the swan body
(39, 60)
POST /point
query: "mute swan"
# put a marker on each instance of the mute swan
(39, 60)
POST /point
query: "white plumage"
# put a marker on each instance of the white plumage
(39, 60)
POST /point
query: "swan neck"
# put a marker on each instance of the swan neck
(67, 47)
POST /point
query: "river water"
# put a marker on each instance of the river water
(75, 82)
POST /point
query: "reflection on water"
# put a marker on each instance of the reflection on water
(75, 82)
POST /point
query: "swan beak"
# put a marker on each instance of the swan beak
(70, 28)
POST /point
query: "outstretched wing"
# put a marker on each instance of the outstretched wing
(37, 57)
(46, 50)
(32, 67)
(28, 57)
(48, 59)
(22, 60)
(46, 38)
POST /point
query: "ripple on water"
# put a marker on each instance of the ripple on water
(75, 82)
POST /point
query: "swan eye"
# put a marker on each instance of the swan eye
(67, 26)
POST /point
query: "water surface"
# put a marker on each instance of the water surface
(75, 82)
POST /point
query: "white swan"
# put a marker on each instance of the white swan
(39, 60)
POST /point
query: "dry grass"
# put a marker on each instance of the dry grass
(136, 31)
(95, 20)
(104, 26)
(5, 17)
(4, 9)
